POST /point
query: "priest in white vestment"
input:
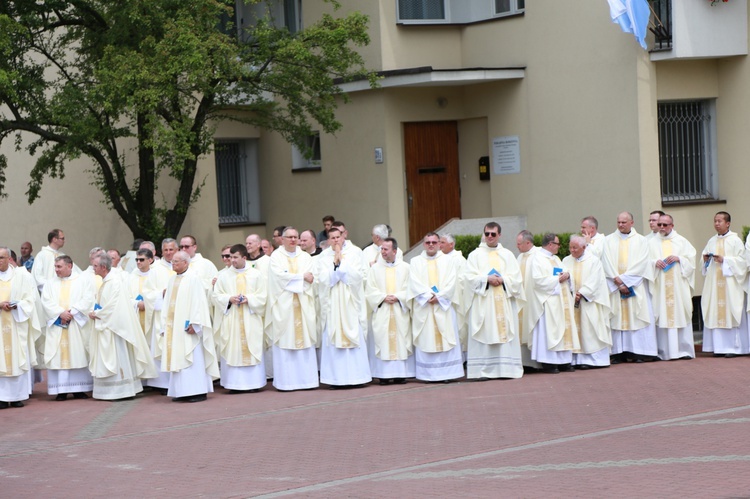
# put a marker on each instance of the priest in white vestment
(673, 258)
(291, 318)
(549, 306)
(147, 284)
(494, 283)
(594, 238)
(19, 330)
(526, 249)
(260, 261)
(390, 346)
(204, 268)
(44, 261)
(725, 330)
(433, 291)
(457, 260)
(168, 250)
(371, 253)
(239, 298)
(343, 357)
(628, 269)
(592, 305)
(187, 342)
(67, 300)
(119, 354)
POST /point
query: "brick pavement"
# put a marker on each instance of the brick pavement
(663, 429)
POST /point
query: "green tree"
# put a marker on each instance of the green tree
(137, 87)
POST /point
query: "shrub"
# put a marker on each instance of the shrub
(467, 244)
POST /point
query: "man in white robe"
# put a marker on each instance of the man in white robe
(672, 291)
(723, 299)
(434, 295)
(44, 261)
(457, 260)
(19, 330)
(205, 268)
(549, 306)
(592, 305)
(239, 297)
(67, 300)
(653, 224)
(343, 358)
(119, 355)
(526, 250)
(594, 238)
(291, 318)
(147, 284)
(168, 250)
(259, 260)
(390, 346)
(628, 269)
(187, 343)
(494, 283)
(371, 253)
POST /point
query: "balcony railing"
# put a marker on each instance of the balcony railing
(660, 23)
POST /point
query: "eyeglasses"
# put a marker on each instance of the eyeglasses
(663, 225)
(184, 246)
(555, 243)
(490, 234)
(140, 259)
(431, 242)
(225, 256)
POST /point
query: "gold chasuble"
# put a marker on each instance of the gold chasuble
(498, 296)
(169, 330)
(6, 322)
(622, 267)
(391, 324)
(723, 295)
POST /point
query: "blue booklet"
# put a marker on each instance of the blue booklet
(59, 323)
(97, 306)
(435, 289)
(493, 272)
(139, 298)
(556, 271)
(669, 266)
(187, 325)
(631, 293)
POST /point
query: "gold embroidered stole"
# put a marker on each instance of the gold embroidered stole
(622, 266)
(142, 313)
(721, 286)
(577, 276)
(169, 330)
(240, 282)
(64, 302)
(433, 277)
(299, 332)
(6, 322)
(345, 343)
(390, 289)
(524, 261)
(498, 296)
(568, 334)
(666, 250)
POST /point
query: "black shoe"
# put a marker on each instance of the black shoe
(61, 396)
(195, 398)
(161, 391)
(730, 355)
(399, 381)
(4, 405)
(80, 395)
(583, 367)
(16, 404)
(550, 369)
(384, 382)
(566, 368)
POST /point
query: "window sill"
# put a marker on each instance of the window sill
(694, 202)
(307, 169)
(437, 22)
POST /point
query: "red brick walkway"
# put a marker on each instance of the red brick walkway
(663, 429)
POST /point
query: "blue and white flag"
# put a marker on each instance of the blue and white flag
(632, 16)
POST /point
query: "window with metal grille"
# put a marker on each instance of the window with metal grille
(421, 9)
(237, 182)
(686, 150)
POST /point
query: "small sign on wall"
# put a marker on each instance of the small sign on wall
(378, 155)
(506, 155)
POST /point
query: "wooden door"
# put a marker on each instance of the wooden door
(432, 181)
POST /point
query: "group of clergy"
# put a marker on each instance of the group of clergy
(344, 316)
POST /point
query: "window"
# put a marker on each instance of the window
(310, 157)
(293, 15)
(455, 11)
(509, 7)
(421, 10)
(687, 159)
(238, 193)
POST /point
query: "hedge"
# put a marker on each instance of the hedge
(467, 244)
